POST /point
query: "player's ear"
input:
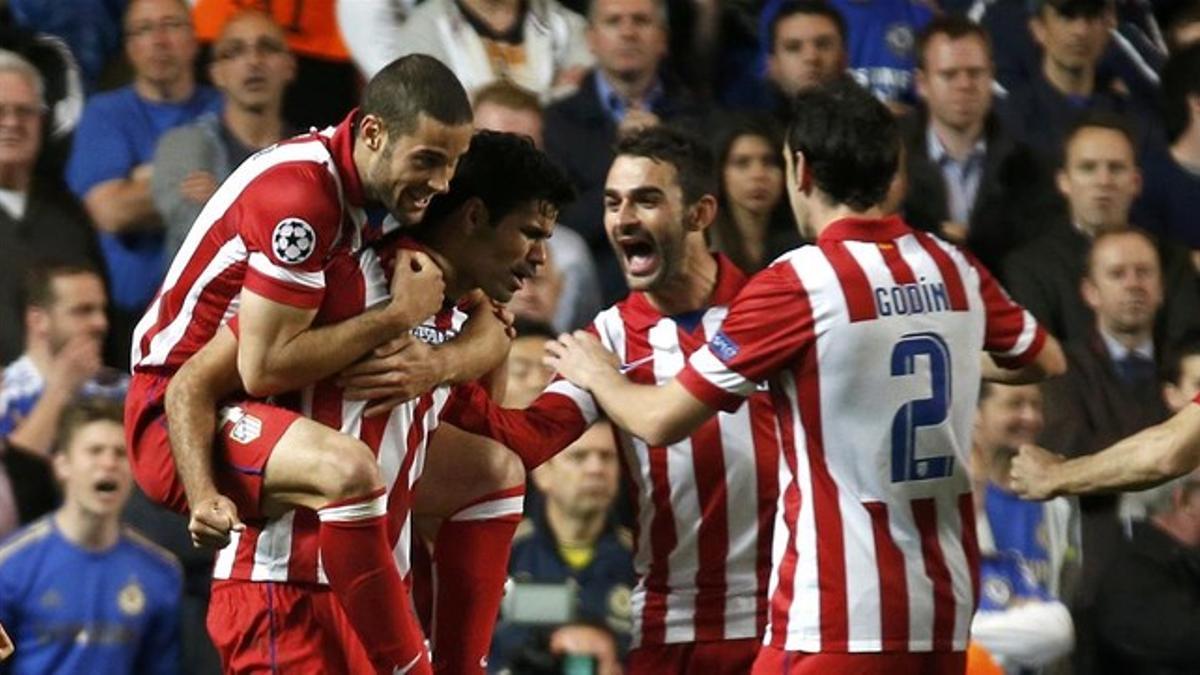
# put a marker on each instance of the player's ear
(702, 213)
(372, 132)
(476, 213)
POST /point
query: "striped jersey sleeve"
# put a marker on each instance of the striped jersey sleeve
(768, 325)
(290, 224)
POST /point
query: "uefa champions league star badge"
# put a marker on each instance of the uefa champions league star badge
(293, 241)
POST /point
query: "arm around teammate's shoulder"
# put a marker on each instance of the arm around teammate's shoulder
(1050, 361)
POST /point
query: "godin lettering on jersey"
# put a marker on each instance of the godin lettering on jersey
(918, 298)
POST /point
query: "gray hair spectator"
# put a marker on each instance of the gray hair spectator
(38, 218)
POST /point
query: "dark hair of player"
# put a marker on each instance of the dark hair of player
(850, 142)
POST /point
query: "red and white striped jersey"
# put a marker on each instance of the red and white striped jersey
(871, 342)
(704, 505)
(286, 549)
(273, 227)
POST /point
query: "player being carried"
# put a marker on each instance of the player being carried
(486, 235)
(871, 342)
(260, 249)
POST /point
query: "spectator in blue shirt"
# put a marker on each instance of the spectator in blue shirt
(110, 164)
(79, 593)
(65, 327)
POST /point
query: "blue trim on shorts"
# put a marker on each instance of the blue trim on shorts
(248, 470)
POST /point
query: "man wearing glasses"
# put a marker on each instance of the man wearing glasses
(251, 67)
(110, 169)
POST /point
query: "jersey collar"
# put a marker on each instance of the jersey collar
(341, 147)
(730, 280)
(864, 229)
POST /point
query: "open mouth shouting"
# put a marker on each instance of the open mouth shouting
(639, 254)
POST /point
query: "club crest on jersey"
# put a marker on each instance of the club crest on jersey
(724, 348)
(293, 241)
(131, 600)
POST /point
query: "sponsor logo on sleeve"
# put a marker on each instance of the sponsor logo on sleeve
(293, 241)
(723, 347)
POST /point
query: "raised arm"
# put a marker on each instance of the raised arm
(1147, 458)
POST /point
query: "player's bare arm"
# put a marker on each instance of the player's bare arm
(407, 367)
(660, 415)
(1147, 458)
(1049, 362)
(191, 404)
(277, 352)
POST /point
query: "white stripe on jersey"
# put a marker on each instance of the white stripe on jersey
(261, 263)
(232, 252)
(212, 214)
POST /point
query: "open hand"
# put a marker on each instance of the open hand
(580, 358)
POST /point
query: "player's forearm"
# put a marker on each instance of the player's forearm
(315, 353)
(191, 404)
(1147, 458)
(37, 431)
(656, 414)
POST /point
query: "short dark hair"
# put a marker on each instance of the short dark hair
(1172, 363)
(503, 171)
(954, 27)
(412, 86)
(850, 142)
(1072, 9)
(38, 287)
(691, 157)
(791, 8)
(1180, 79)
(84, 411)
(1099, 119)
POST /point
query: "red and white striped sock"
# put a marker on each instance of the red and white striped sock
(472, 550)
(363, 575)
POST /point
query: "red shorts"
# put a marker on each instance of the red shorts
(248, 434)
(269, 627)
(727, 657)
(774, 661)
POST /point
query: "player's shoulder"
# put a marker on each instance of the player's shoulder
(156, 556)
(25, 541)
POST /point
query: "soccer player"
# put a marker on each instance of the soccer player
(704, 503)
(871, 342)
(80, 592)
(260, 248)
(487, 233)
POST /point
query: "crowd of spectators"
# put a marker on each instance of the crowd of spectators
(1058, 141)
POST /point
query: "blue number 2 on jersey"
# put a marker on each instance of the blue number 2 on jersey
(926, 412)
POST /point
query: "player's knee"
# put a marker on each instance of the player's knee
(347, 470)
(504, 468)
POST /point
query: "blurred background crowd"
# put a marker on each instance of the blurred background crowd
(1056, 140)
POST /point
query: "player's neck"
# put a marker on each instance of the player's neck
(822, 214)
(573, 531)
(691, 288)
(254, 128)
(456, 285)
(86, 530)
